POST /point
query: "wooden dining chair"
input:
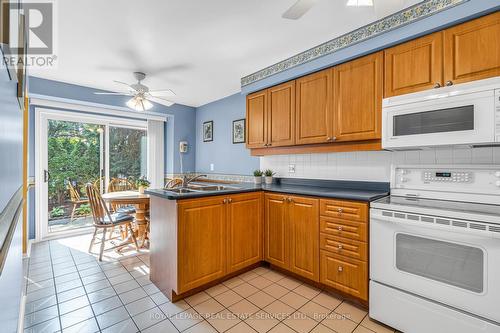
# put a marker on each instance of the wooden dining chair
(103, 220)
(120, 184)
(75, 198)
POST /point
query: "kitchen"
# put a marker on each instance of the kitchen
(348, 185)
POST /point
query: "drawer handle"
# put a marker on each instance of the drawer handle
(340, 246)
(340, 210)
(449, 83)
(224, 201)
(437, 85)
(340, 228)
(341, 269)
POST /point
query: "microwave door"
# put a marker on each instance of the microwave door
(463, 120)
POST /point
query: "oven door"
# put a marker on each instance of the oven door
(453, 120)
(457, 268)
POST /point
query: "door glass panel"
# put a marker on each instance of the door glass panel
(127, 157)
(74, 159)
(454, 264)
(438, 121)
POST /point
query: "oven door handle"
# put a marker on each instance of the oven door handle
(455, 225)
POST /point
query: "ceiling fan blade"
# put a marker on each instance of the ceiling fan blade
(160, 100)
(298, 9)
(112, 93)
(168, 92)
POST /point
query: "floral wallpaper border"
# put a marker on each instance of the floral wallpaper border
(401, 18)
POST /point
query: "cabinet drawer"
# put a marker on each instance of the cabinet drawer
(343, 246)
(344, 274)
(344, 228)
(350, 210)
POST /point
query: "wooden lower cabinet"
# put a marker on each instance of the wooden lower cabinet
(217, 236)
(244, 231)
(201, 242)
(304, 231)
(276, 230)
(345, 274)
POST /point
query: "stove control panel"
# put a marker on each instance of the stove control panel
(447, 176)
(450, 182)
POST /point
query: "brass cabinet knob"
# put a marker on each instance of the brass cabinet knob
(289, 199)
(449, 83)
(225, 201)
(339, 246)
(437, 85)
(334, 138)
(229, 200)
(340, 210)
(340, 228)
(340, 269)
(328, 139)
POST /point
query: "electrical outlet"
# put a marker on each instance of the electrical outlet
(212, 167)
(291, 168)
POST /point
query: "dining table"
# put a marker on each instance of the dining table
(141, 203)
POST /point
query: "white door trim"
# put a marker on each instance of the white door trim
(96, 108)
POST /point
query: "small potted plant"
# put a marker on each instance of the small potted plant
(142, 184)
(258, 176)
(268, 174)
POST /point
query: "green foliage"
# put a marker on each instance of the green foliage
(83, 210)
(73, 151)
(258, 173)
(269, 173)
(57, 212)
(74, 155)
(142, 181)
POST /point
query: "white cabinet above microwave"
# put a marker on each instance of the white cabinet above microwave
(465, 114)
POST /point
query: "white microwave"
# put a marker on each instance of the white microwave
(466, 114)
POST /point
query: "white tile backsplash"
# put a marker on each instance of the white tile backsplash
(372, 165)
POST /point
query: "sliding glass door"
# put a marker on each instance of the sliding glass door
(77, 150)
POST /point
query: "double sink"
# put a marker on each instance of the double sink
(200, 188)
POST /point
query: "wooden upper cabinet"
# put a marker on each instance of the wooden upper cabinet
(414, 66)
(304, 236)
(201, 242)
(276, 230)
(472, 50)
(357, 98)
(314, 116)
(256, 121)
(244, 230)
(281, 115)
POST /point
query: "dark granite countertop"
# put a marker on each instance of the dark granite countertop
(350, 190)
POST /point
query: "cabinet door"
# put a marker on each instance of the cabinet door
(276, 233)
(358, 98)
(414, 66)
(304, 237)
(256, 119)
(314, 116)
(201, 242)
(244, 231)
(281, 115)
(472, 50)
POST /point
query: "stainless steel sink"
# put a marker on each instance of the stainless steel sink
(182, 190)
(208, 188)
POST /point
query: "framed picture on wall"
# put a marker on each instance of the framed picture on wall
(239, 131)
(208, 131)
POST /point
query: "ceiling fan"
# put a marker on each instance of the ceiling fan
(141, 95)
(301, 7)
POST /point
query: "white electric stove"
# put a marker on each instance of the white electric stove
(435, 250)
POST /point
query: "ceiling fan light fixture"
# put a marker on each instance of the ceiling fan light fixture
(359, 3)
(139, 103)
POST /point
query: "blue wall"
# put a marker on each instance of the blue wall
(227, 157)
(11, 155)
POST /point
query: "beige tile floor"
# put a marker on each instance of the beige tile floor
(68, 290)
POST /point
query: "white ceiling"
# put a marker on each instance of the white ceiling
(198, 48)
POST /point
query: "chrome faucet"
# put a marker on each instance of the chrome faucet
(186, 180)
